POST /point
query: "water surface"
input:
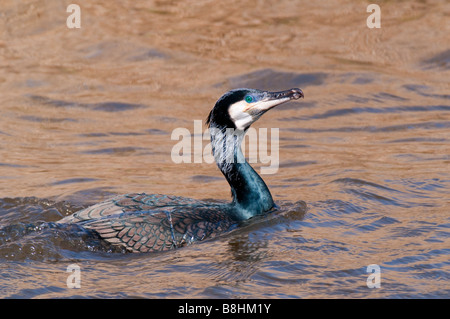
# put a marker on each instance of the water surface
(364, 172)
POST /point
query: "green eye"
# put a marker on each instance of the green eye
(248, 98)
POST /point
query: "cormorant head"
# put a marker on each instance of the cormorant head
(239, 108)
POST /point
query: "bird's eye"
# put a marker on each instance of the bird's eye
(248, 98)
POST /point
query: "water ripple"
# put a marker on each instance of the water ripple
(433, 125)
(102, 106)
(372, 110)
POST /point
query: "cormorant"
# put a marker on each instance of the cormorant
(146, 223)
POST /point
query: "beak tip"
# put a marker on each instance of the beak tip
(297, 93)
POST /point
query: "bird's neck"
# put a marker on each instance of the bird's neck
(251, 195)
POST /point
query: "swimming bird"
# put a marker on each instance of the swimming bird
(154, 222)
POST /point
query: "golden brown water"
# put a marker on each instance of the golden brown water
(88, 113)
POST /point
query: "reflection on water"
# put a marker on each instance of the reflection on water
(364, 158)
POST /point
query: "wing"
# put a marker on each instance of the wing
(129, 203)
(143, 223)
(160, 230)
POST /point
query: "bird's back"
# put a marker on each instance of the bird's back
(143, 223)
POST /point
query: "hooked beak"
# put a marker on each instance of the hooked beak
(292, 94)
(273, 99)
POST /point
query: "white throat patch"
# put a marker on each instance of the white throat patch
(241, 112)
(237, 114)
